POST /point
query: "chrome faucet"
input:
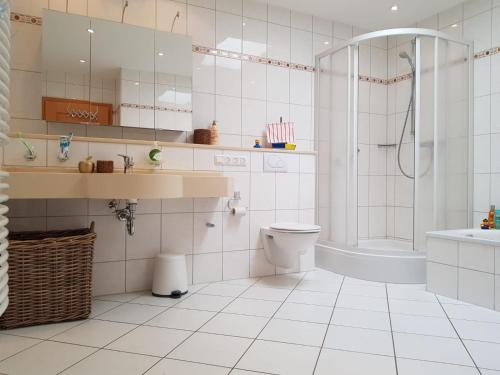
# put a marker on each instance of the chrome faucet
(128, 162)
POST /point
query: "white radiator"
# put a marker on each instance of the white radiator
(4, 129)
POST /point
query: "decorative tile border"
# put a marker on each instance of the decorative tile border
(24, 18)
(251, 58)
(487, 52)
(34, 20)
(156, 108)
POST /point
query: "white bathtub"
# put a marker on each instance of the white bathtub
(464, 264)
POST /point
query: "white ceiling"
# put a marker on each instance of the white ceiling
(370, 14)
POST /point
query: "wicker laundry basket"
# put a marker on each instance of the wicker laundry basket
(50, 277)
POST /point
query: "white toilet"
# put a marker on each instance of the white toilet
(285, 242)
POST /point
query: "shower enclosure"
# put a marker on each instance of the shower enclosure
(394, 139)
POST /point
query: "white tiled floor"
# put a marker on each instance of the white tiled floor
(313, 323)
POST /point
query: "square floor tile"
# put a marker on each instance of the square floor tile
(312, 298)
(413, 367)
(122, 297)
(226, 290)
(294, 332)
(235, 325)
(132, 313)
(361, 318)
(205, 302)
(422, 325)
(350, 363)
(416, 308)
(108, 362)
(279, 358)
(319, 286)
(353, 281)
(47, 358)
(147, 340)
(253, 307)
(479, 331)
(323, 275)
(212, 349)
(149, 299)
(430, 348)
(244, 282)
(280, 281)
(14, 344)
(43, 331)
(485, 354)
(100, 307)
(176, 367)
(412, 292)
(305, 313)
(471, 312)
(359, 340)
(267, 294)
(181, 319)
(97, 333)
(362, 303)
(363, 290)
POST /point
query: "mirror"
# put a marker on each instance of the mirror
(66, 68)
(131, 76)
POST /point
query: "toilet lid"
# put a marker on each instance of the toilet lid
(295, 227)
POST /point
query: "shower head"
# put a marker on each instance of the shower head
(404, 55)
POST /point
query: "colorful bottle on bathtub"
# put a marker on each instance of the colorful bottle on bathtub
(491, 217)
(497, 219)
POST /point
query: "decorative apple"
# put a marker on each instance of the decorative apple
(86, 166)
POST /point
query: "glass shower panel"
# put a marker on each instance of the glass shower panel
(334, 153)
(454, 135)
(424, 141)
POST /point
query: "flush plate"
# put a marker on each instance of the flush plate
(275, 163)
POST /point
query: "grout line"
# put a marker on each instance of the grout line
(187, 338)
(392, 331)
(459, 337)
(329, 323)
(269, 320)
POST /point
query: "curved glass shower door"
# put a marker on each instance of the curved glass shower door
(393, 135)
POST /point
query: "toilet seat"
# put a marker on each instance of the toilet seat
(295, 227)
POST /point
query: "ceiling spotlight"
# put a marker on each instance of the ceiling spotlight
(83, 61)
(91, 31)
(160, 53)
(326, 42)
(136, 83)
(244, 24)
(454, 25)
(394, 8)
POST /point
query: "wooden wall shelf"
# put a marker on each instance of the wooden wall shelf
(57, 110)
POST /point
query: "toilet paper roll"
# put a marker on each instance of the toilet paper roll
(239, 211)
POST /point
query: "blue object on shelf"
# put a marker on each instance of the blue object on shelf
(278, 145)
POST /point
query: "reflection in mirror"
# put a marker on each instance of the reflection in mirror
(123, 65)
(173, 67)
(66, 69)
(107, 73)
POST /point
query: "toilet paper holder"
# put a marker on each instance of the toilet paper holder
(233, 205)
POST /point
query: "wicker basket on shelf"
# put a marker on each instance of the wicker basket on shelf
(50, 277)
(202, 136)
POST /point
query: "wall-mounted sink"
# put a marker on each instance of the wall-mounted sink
(52, 183)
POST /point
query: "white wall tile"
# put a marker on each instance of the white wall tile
(201, 25)
(278, 15)
(229, 6)
(145, 243)
(228, 76)
(108, 278)
(262, 191)
(278, 84)
(236, 265)
(177, 233)
(287, 190)
(476, 287)
(253, 80)
(301, 21)
(236, 231)
(278, 42)
(207, 268)
(442, 279)
(301, 47)
(207, 239)
(228, 31)
(139, 275)
(228, 114)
